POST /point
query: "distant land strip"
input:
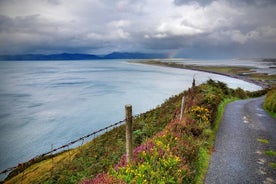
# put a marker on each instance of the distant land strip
(238, 72)
(72, 56)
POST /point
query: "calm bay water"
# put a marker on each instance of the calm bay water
(44, 103)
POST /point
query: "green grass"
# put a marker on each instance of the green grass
(270, 153)
(205, 153)
(273, 114)
(270, 102)
(265, 141)
(272, 164)
(202, 165)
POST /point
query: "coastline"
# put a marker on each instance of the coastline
(48, 162)
(262, 84)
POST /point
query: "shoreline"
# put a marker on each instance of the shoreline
(164, 66)
(201, 69)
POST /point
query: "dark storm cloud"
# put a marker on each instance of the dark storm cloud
(54, 26)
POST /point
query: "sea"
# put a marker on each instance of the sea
(46, 104)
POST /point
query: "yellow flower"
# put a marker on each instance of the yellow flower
(158, 143)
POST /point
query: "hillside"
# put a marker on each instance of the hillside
(167, 149)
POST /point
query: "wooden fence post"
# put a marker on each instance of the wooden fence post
(128, 109)
(182, 107)
(193, 85)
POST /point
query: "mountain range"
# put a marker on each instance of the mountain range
(76, 56)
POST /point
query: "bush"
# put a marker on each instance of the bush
(240, 93)
(270, 101)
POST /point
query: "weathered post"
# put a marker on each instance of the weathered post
(193, 85)
(128, 109)
(182, 107)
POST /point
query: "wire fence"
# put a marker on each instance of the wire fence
(55, 150)
(59, 149)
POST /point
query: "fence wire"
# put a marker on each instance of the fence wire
(64, 146)
(53, 150)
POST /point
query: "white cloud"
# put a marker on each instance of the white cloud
(119, 23)
(194, 19)
(177, 29)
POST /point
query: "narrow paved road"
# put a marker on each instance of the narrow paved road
(239, 155)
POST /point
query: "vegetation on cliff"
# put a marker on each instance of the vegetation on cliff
(167, 149)
(180, 152)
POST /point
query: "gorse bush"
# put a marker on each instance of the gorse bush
(154, 165)
(200, 114)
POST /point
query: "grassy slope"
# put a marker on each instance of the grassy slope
(180, 152)
(189, 140)
(99, 154)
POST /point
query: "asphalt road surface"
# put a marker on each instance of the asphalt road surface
(245, 134)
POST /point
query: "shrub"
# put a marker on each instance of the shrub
(159, 160)
(270, 101)
(200, 114)
(240, 93)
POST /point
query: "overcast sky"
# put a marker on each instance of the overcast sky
(206, 28)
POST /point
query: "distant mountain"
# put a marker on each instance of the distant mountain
(69, 56)
(31, 57)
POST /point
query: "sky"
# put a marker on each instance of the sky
(180, 28)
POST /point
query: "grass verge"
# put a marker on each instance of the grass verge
(265, 141)
(270, 153)
(270, 102)
(206, 152)
(272, 114)
(272, 164)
